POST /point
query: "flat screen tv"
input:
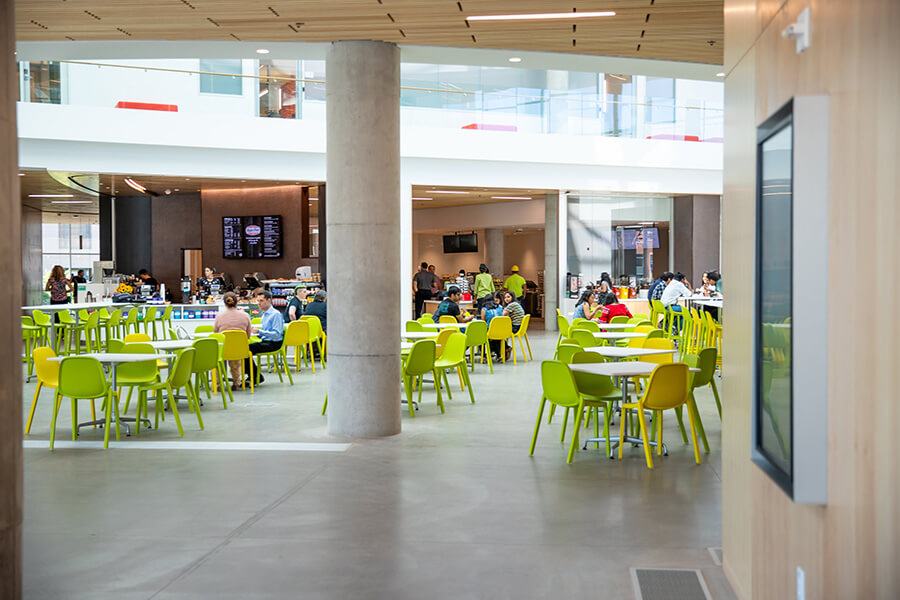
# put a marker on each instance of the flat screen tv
(257, 236)
(460, 242)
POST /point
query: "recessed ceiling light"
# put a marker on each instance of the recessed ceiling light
(423, 198)
(262, 51)
(521, 17)
(70, 202)
(720, 74)
(21, 174)
(510, 197)
(446, 192)
(51, 195)
(515, 59)
(177, 189)
(134, 185)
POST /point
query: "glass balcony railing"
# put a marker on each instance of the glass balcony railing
(432, 96)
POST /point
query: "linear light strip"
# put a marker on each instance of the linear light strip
(523, 17)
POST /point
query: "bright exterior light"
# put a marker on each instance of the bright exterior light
(70, 202)
(134, 185)
(262, 51)
(423, 198)
(510, 197)
(51, 195)
(565, 15)
(515, 59)
(720, 74)
(447, 192)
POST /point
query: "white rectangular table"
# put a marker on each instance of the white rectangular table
(170, 344)
(619, 352)
(618, 335)
(616, 326)
(443, 325)
(113, 359)
(419, 335)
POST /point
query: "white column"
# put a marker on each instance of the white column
(406, 250)
(363, 218)
(493, 239)
(551, 270)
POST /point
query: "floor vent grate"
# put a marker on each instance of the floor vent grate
(669, 584)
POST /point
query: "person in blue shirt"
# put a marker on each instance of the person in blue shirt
(270, 331)
(583, 307)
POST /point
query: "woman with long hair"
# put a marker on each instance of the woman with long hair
(58, 286)
(233, 318)
(583, 308)
(605, 285)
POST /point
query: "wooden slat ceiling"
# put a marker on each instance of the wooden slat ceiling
(679, 30)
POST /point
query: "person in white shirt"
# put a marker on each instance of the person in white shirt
(676, 289)
(462, 282)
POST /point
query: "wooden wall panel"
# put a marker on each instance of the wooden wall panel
(177, 225)
(850, 548)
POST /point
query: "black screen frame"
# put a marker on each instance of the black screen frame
(242, 217)
(776, 123)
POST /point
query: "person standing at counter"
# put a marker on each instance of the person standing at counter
(515, 283)
(435, 283)
(422, 287)
(77, 279)
(233, 319)
(294, 308)
(147, 279)
(209, 279)
(604, 286)
(462, 282)
(484, 286)
(317, 308)
(58, 286)
(270, 331)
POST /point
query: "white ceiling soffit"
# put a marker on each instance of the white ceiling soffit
(563, 61)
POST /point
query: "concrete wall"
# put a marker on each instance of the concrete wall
(525, 249)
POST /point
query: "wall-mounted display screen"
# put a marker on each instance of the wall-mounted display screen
(640, 239)
(461, 242)
(252, 237)
(773, 404)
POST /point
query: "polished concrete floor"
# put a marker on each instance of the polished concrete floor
(452, 508)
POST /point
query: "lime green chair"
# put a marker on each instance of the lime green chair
(165, 320)
(31, 334)
(619, 319)
(454, 357)
(47, 376)
(206, 362)
(150, 321)
(91, 329)
(591, 326)
(82, 378)
(67, 331)
(501, 329)
(135, 374)
(114, 345)
(476, 339)
(83, 315)
(585, 338)
(112, 325)
(522, 336)
(654, 334)
(597, 391)
(564, 354)
(696, 380)
(204, 329)
(131, 321)
(657, 311)
(413, 326)
(641, 316)
(563, 325)
(317, 336)
(559, 389)
(668, 388)
(420, 361)
(280, 365)
(45, 322)
(223, 368)
(179, 377)
(425, 319)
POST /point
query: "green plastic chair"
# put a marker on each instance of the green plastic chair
(131, 321)
(696, 380)
(206, 361)
(114, 345)
(597, 391)
(112, 325)
(585, 338)
(564, 354)
(657, 310)
(317, 336)
(179, 377)
(619, 319)
(204, 329)
(559, 389)
(425, 319)
(31, 333)
(707, 365)
(150, 320)
(165, 320)
(280, 365)
(82, 378)
(91, 329)
(223, 368)
(591, 326)
(454, 357)
(476, 339)
(133, 375)
(67, 331)
(413, 326)
(419, 362)
(296, 336)
(42, 320)
(656, 333)
(562, 324)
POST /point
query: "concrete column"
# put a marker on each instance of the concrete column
(551, 261)
(10, 322)
(363, 161)
(493, 239)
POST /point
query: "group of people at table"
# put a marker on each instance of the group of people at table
(481, 289)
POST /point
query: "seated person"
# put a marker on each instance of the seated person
(513, 310)
(612, 308)
(677, 288)
(233, 318)
(656, 290)
(294, 308)
(583, 308)
(317, 308)
(492, 307)
(270, 331)
(450, 306)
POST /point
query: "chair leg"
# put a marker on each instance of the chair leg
(550, 413)
(562, 435)
(579, 412)
(692, 407)
(712, 383)
(56, 400)
(607, 416)
(528, 343)
(174, 407)
(325, 404)
(643, 422)
(596, 412)
(658, 415)
(490, 360)
(37, 391)
(537, 425)
(694, 437)
(443, 377)
(678, 415)
(75, 420)
(465, 375)
(193, 398)
(407, 387)
(437, 388)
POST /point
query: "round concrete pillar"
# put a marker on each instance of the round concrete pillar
(363, 221)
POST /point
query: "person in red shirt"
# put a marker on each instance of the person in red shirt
(612, 308)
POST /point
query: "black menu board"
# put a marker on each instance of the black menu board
(251, 237)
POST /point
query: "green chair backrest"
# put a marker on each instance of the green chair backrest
(131, 319)
(591, 384)
(47, 370)
(585, 338)
(204, 329)
(425, 319)
(93, 320)
(476, 333)
(180, 373)
(421, 358)
(296, 333)
(27, 321)
(558, 383)
(667, 388)
(414, 326)
(115, 317)
(83, 314)
(588, 326)
(237, 346)
(220, 340)
(619, 319)
(150, 314)
(146, 370)
(315, 326)
(705, 360)
(66, 318)
(40, 317)
(167, 313)
(82, 377)
(114, 346)
(641, 316)
(578, 320)
(454, 348)
(206, 355)
(500, 328)
(655, 333)
(565, 352)
(562, 324)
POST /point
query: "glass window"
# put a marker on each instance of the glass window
(219, 84)
(43, 80)
(70, 240)
(278, 88)
(661, 97)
